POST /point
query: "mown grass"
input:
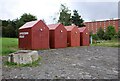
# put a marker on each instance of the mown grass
(9, 45)
(108, 43)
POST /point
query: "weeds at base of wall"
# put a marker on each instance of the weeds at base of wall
(33, 64)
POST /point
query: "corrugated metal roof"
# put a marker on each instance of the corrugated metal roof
(82, 29)
(29, 24)
(69, 28)
(53, 26)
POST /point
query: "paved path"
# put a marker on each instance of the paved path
(71, 63)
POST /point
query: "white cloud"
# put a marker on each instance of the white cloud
(43, 9)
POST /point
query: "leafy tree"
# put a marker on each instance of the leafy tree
(23, 19)
(10, 28)
(76, 19)
(90, 33)
(65, 15)
(110, 32)
(106, 36)
(95, 37)
(119, 34)
(100, 33)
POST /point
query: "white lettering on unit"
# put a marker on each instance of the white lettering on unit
(21, 36)
(24, 33)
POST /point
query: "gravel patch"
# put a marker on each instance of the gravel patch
(70, 63)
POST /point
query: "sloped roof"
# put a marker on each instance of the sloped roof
(69, 28)
(82, 29)
(53, 26)
(29, 24)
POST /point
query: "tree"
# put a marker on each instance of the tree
(119, 34)
(110, 32)
(95, 37)
(106, 36)
(76, 19)
(100, 33)
(23, 19)
(10, 28)
(65, 15)
(91, 33)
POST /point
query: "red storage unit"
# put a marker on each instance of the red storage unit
(58, 36)
(84, 36)
(73, 37)
(34, 35)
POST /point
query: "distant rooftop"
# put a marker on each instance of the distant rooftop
(103, 20)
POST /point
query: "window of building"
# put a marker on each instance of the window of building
(96, 24)
(100, 23)
(119, 22)
(96, 29)
(109, 22)
(104, 23)
(104, 29)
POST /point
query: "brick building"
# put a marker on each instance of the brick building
(95, 25)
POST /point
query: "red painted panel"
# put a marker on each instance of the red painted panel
(37, 37)
(40, 36)
(68, 38)
(84, 37)
(52, 39)
(25, 39)
(58, 36)
(73, 37)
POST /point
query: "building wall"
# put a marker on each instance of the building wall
(40, 36)
(25, 39)
(95, 25)
(68, 38)
(60, 37)
(84, 38)
(75, 37)
(36, 37)
(52, 38)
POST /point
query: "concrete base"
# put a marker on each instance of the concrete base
(23, 57)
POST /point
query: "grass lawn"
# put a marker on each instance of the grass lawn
(9, 45)
(108, 43)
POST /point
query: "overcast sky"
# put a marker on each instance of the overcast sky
(47, 9)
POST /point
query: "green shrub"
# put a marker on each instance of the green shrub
(95, 37)
(100, 33)
(118, 34)
(110, 33)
